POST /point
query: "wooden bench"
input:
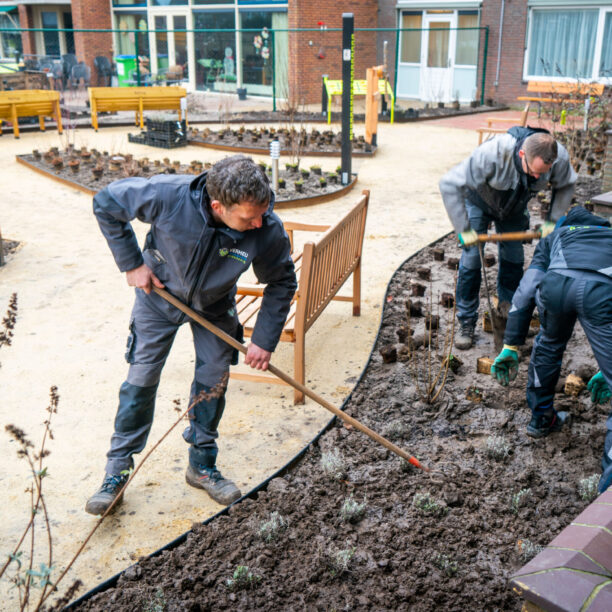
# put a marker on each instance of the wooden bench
(138, 99)
(28, 103)
(490, 131)
(556, 93)
(322, 268)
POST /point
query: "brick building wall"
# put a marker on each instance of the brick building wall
(96, 14)
(26, 20)
(514, 39)
(308, 62)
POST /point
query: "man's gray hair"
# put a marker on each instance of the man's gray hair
(238, 179)
(541, 145)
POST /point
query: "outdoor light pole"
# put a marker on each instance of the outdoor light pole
(275, 155)
(348, 26)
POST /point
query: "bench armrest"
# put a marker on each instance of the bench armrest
(304, 227)
(250, 289)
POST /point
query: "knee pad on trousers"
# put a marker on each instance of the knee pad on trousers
(136, 407)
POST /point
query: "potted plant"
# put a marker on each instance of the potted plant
(305, 173)
(299, 185)
(36, 154)
(316, 170)
(281, 183)
(322, 182)
(97, 172)
(74, 164)
(332, 177)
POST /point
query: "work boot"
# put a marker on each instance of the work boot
(112, 487)
(465, 338)
(222, 490)
(543, 424)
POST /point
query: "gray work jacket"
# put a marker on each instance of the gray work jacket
(491, 178)
(198, 262)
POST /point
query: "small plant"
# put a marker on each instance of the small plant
(528, 550)
(445, 563)
(242, 578)
(340, 560)
(428, 505)
(281, 183)
(322, 182)
(271, 529)
(396, 429)
(315, 169)
(305, 173)
(520, 499)
(299, 185)
(587, 487)
(157, 603)
(352, 510)
(498, 447)
(333, 464)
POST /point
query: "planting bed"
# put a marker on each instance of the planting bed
(293, 142)
(447, 540)
(91, 171)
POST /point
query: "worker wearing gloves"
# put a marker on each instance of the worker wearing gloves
(570, 277)
(495, 184)
(204, 233)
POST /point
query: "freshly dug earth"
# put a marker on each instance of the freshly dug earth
(58, 164)
(296, 142)
(452, 550)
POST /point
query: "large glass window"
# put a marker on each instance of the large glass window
(11, 45)
(215, 51)
(562, 43)
(180, 43)
(51, 37)
(168, 2)
(466, 53)
(256, 50)
(411, 41)
(161, 42)
(605, 67)
(133, 29)
(437, 50)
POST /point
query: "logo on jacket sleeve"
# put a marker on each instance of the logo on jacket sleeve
(236, 254)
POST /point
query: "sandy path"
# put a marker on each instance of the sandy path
(73, 314)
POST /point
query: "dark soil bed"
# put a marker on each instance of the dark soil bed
(292, 142)
(95, 170)
(448, 540)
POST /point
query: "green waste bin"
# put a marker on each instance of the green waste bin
(125, 65)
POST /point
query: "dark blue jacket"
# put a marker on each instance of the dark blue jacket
(198, 262)
(583, 242)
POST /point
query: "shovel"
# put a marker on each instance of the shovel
(508, 236)
(290, 381)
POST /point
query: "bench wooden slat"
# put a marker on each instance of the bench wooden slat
(325, 266)
(27, 103)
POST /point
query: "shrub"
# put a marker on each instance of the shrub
(587, 487)
(445, 563)
(428, 505)
(340, 560)
(519, 499)
(498, 448)
(352, 510)
(333, 464)
(271, 529)
(242, 578)
(528, 550)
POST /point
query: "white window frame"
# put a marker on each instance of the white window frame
(603, 12)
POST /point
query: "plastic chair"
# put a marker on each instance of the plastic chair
(80, 72)
(69, 61)
(105, 70)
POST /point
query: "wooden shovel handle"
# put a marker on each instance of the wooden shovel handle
(508, 236)
(290, 381)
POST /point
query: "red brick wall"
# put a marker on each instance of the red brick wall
(514, 33)
(92, 14)
(305, 67)
(26, 20)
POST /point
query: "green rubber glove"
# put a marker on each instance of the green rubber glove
(505, 366)
(468, 238)
(548, 227)
(600, 392)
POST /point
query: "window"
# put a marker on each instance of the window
(437, 50)
(256, 47)
(127, 39)
(562, 43)
(11, 45)
(411, 41)
(168, 2)
(51, 37)
(605, 66)
(215, 50)
(467, 40)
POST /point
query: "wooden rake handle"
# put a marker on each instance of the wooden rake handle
(290, 381)
(508, 236)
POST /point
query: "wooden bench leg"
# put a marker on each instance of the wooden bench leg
(41, 123)
(298, 367)
(357, 290)
(15, 121)
(58, 118)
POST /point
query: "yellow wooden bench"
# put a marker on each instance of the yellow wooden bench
(322, 267)
(28, 103)
(138, 99)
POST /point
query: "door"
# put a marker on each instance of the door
(170, 45)
(437, 57)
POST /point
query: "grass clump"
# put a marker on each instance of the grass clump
(352, 511)
(340, 560)
(426, 504)
(157, 603)
(587, 487)
(396, 429)
(446, 564)
(528, 550)
(333, 464)
(498, 448)
(520, 499)
(270, 529)
(242, 578)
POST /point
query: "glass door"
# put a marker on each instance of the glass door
(437, 57)
(170, 46)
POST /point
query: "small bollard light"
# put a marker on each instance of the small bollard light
(275, 155)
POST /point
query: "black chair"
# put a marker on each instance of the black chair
(69, 61)
(80, 72)
(104, 69)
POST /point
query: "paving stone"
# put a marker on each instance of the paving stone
(551, 558)
(604, 498)
(594, 542)
(602, 601)
(559, 590)
(596, 514)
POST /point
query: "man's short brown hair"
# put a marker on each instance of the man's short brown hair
(541, 145)
(238, 179)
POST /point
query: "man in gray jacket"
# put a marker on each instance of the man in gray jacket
(205, 232)
(495, 184)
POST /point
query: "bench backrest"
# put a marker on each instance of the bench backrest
(133, 93)
(565, 89)
(28, 95)
(327, 264)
